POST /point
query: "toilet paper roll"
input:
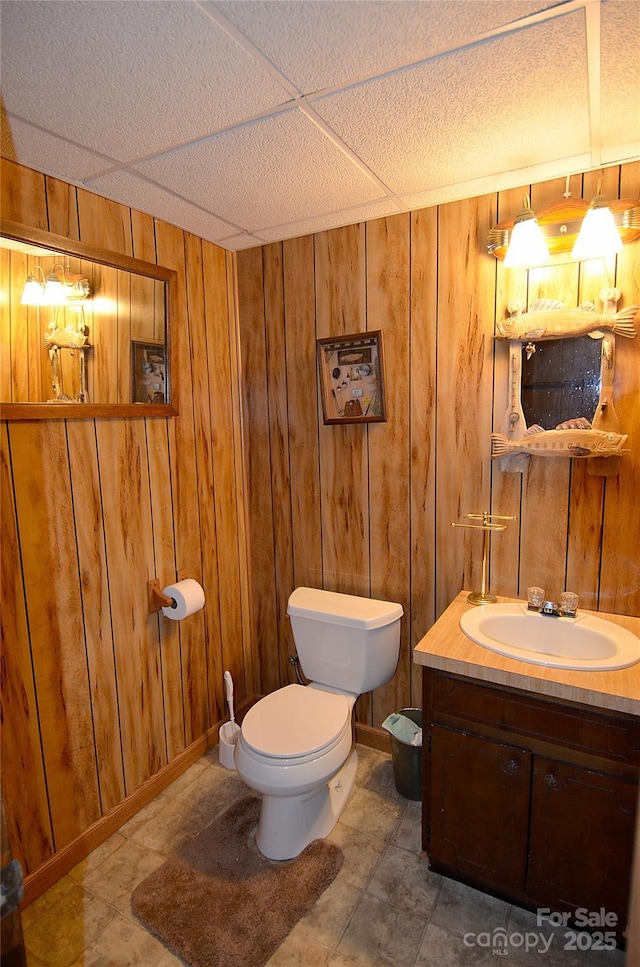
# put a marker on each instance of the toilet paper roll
(188, 597)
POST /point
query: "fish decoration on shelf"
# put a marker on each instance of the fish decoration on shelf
(571, 439)
(71, 337)
(549, 319)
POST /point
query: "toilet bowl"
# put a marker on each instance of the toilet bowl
(296, 744)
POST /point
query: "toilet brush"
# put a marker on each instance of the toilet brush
(230, 731)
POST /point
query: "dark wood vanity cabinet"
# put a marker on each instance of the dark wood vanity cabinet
(532, 799)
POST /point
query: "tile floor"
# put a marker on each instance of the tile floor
(384, 908)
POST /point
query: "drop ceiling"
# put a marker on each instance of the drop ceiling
(251, 121)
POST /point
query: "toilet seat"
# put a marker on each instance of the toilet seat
(295, 722)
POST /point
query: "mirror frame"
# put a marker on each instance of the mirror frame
(66, 411)
(605, 417)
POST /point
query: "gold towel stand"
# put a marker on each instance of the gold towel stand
(483, 596)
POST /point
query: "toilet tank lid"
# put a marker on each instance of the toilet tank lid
(343, 609)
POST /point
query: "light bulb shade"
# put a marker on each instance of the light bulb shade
(33, 292)
(54, 292)
(527, 246)
(599, 236)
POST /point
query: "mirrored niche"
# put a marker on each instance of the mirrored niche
(84, 331)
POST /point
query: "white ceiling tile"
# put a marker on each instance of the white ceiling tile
(321, 44)
(237, 243)
(472, 113)
(45, 151)
(128, 188)
(127, 79)
(263, 174)
(322, 223)
(620, 72)
(188, 110)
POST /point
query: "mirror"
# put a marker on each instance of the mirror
(561, 381)
(560, 384)
(84, 332)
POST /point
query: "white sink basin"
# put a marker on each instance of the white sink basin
(584, 642)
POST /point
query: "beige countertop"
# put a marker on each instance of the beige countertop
(446, 647)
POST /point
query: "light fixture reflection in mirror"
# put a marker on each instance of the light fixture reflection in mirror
(81, 346)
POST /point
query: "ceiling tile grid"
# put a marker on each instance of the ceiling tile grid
(127, 78)
(428, 126)
(256, 120)
(256, 185)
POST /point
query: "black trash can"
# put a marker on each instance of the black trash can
(407, 760)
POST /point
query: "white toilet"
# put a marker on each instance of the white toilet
(295, 746)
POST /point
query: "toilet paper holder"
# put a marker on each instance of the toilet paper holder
(158, 600)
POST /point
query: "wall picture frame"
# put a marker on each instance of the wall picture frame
(148, 372)
(351, 371)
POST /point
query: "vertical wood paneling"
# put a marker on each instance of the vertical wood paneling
(279, 442)
(424, 296)
(300, 323)
(23, 777)
(94, 583)
(389, 442)
(341, 309)
(465, 384)
(62, 207)
(236, 496)
(123, 461)
(23, 195)
(258, 462)
(5, 324)
(222, 545)
(167, 494)
(49, 561)
(506, 488)
(197, 701)
(381, 515)
(164, 554)
(171, 252)
(98, 695)
(620, 568)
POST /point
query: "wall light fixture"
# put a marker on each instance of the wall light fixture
(561, 224)
(62, 288)
(33, 292)
(527, 245)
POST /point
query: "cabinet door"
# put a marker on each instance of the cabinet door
(479, 807)
(582, 829)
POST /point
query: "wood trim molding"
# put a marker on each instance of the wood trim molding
(74, 852)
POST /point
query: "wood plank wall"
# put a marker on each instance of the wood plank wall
(99, 697)
(368, 509)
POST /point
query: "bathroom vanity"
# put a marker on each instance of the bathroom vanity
(530, 774)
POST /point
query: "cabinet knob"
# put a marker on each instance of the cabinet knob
(512, 766)
(550, 779)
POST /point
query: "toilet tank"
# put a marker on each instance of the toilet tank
(344, 640)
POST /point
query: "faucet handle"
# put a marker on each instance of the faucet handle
(535, 598)
(569, 603)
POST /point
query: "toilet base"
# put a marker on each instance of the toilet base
(289, 823)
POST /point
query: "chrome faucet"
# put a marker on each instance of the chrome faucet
(566, 608)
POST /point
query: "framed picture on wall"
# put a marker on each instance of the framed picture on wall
(148, 372)
(351, 370)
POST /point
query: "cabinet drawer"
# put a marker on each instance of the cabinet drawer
(456, 701)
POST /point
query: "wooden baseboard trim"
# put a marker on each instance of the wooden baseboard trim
(64, 860)
(373, 738)
(73, 853)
